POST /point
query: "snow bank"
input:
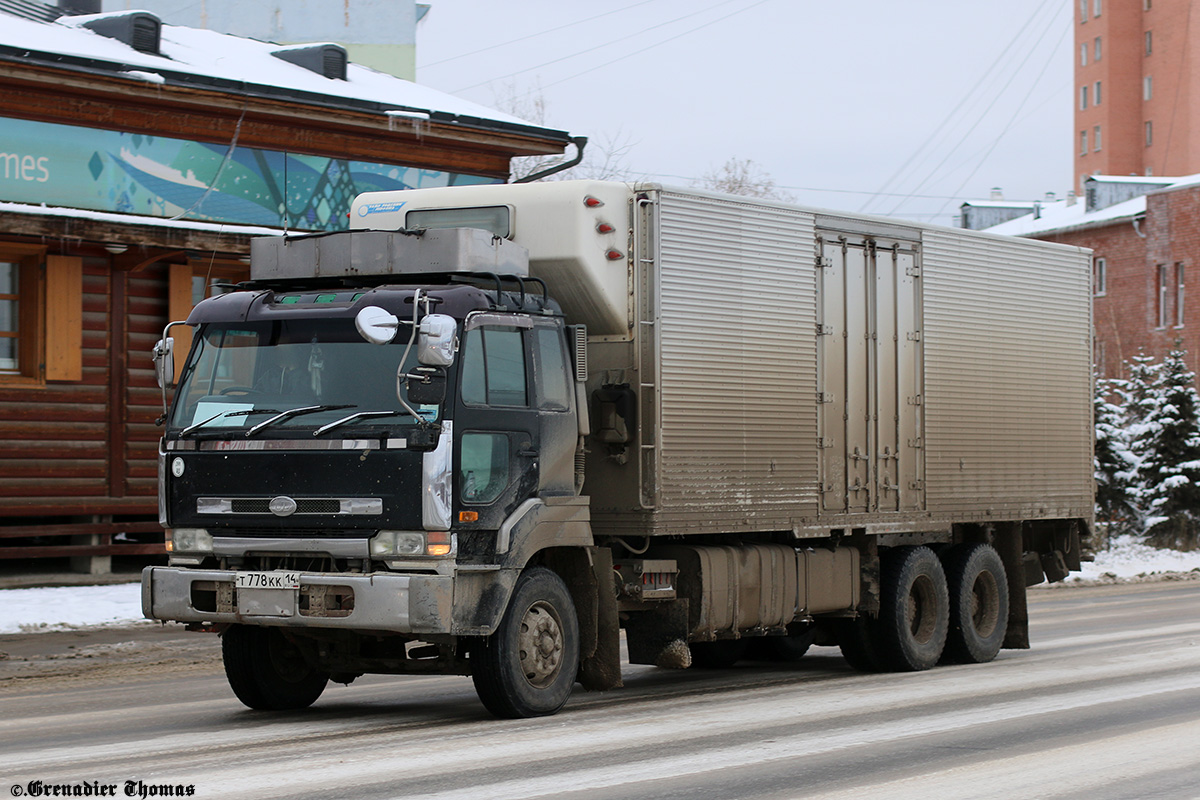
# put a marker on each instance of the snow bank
(66, 607)
(1126, 557)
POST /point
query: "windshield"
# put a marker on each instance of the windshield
(294, 373)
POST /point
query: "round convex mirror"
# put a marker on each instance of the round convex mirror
(376, 325)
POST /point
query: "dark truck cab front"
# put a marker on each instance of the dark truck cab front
(354, 463)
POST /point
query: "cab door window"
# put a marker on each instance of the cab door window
(493, 368)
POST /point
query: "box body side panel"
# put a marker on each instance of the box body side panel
(1007, 378)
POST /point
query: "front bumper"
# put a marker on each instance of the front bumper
(379, 601)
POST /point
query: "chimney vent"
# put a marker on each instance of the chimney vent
(324, 59)
(140, 30)
(997, 194)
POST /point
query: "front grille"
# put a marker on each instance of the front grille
(261, 505)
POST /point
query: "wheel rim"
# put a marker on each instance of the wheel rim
(286, 660)
(540, 644)
(921, 611)
(985, 607)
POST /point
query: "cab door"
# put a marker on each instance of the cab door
(497, 446)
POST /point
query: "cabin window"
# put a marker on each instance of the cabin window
(493, 368)
(41, 316)
(483, 467)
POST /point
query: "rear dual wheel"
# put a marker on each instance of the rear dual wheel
(953, 609)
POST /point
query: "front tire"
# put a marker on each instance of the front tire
(978, 589)
(527, 667)
(914, 610)
(267, 672)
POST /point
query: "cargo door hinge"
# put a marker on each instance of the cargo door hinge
(916, 444)
(916, 485)
(824, 262)
(824, 330)
(825, 442)
(915, 400)
(913, 271)
(824, 397)
(914, 336)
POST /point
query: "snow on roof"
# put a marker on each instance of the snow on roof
(245, 62)
(135, 219)
(1057, 216)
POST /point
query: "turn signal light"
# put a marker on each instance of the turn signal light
(468, 516)
(437, 543)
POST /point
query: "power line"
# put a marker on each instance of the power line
(606, 44)
(971, 95)
(534, 35)
(995, 98)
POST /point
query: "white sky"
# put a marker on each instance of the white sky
(832, 99)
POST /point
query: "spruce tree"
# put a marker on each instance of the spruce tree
(1139, 396)
(1115, 465)
(1170, 467)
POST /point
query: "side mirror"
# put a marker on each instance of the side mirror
(438, 341)
(426, 385)
(376, 325)
(164, 362)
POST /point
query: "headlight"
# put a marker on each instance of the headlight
(391, 544)
(398, 543)
(189, 540)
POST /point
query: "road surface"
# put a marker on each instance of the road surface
(1105, 705)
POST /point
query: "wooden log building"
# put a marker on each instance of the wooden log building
(137, 161)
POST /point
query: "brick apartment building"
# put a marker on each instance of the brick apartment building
(1137, 74)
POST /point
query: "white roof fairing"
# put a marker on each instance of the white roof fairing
(209, 57)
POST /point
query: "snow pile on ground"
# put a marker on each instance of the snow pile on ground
(67, 607)
(1126, 557)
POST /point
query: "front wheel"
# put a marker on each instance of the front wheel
(527, 667)
(267, 672)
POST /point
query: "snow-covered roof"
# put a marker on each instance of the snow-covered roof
(137, 219)
(1059, 217)
(237, 65)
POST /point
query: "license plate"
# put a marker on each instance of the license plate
(267, 580)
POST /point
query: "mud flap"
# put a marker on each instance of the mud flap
(1009, 544)
(602, 669)
(660, 636)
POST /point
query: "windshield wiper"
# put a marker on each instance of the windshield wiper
(359, 415)
(294, 412)
(247, 413)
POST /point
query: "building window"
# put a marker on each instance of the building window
(1147, 87)
(1178, 295)
(1149, 134)
(1096, 50)
(1100, 277)
(1164, 295)
(1096, 7)
(1149, 43)
(10, 317)
(1096, 94)
(1096, 138)
(1083, 50)
(1083, 148)
(41, 313)
(1083, 97)
(1083, 10)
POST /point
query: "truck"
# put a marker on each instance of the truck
(506, 431)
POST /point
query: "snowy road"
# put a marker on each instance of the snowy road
(1106, 705)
